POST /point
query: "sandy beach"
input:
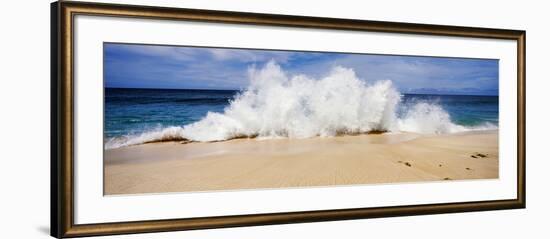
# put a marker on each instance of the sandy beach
(282, 163)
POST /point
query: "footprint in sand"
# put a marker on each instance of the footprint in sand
(479, 155)
(406, 163)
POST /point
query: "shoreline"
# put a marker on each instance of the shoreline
(286, 163)
(187, 141)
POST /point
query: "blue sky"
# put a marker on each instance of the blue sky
(174, 67)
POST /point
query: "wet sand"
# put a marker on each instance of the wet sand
(283, 163)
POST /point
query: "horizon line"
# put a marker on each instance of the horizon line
(145, 88)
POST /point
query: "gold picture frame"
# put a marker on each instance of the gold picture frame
(62, 121)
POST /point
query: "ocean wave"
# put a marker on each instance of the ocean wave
(157, 135)
(431, 118)
(278, 105)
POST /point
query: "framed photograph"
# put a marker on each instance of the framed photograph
(170, 119)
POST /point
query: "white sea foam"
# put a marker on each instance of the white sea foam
(276, 104)
(157, 135)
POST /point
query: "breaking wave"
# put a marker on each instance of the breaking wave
(276, 105)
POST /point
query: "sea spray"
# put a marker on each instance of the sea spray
(429, 118)
(276, 104)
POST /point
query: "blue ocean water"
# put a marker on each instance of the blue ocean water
(134, 111)
(465, 110)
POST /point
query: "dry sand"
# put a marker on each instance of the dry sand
(277, 163)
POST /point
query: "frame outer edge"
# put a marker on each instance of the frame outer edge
(62, 98)
(54, 123)
(522, 145)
